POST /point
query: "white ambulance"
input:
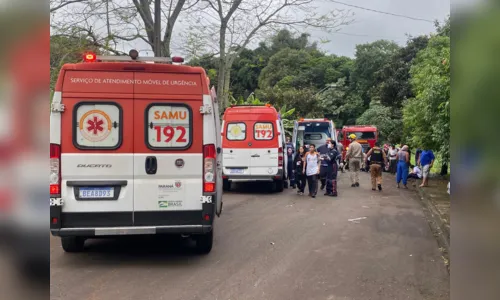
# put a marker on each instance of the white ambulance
(135, 149)
(253, 139)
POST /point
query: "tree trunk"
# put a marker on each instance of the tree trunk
(166, 45)
(221, 76)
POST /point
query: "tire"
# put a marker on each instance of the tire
(73, 244)
(279, 185)
(204, 242)
(226, 185)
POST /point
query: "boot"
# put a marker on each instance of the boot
(334, 188)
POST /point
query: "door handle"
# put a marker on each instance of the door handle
(151, 165)
(255, 155)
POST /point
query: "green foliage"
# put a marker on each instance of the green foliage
(381, 116)
(394, 76)
(339, 104)
(285, 113)
(427, 116)
(370, 58)
(64, 50)
(303, 100)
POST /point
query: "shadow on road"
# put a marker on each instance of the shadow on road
(154, 251)
(253, 188)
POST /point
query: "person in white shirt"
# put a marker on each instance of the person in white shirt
(393, 155)
(416, 173)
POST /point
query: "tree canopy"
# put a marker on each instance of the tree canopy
(403, 90)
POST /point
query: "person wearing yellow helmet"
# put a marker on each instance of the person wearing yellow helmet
(354, 155)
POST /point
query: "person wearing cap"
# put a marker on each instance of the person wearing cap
(378, 159)
(354, 155)
(323, 152)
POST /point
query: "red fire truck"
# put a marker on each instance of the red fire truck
(366, 135)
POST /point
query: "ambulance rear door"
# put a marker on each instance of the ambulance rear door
(97, 150)
(168, 149)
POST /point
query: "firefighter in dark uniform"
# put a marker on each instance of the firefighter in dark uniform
(332, 170)
(378, 160)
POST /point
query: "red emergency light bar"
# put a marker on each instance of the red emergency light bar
(133, 56)
(90, 57)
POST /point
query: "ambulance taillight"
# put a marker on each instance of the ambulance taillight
(55, 170)
(209, 168)
(280, 157)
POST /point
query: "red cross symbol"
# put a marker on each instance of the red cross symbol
(95, 125)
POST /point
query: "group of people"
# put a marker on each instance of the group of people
(322, 164)
(399, 164)
(314, 166)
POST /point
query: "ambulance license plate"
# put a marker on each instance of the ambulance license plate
(236, 171)
(97, 193)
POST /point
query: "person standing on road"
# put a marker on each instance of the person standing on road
(403, 165)
(393, 159)
(323, 152)
(311, 169)
(300, 176)
(290, 151)
(426, 161)
(331, 175)
(340, 149)
(378, 159)
(354, 155)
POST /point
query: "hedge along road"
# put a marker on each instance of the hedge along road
(361, 245)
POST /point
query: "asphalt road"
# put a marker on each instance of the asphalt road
(273, 246)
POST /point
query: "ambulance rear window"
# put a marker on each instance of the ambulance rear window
(169, 126)
(97, 125)
(263, 131)
(236, 131)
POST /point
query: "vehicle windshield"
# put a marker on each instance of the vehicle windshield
(322, 127)
(365, 135)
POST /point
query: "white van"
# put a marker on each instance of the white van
(253, 140)
(135, 149)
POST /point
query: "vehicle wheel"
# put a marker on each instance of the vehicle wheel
(226, 185)
(279, 185)
(204, 242)
(73, 243)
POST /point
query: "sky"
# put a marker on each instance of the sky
(367, 26)
(370, 26)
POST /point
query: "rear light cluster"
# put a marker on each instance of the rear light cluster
(55, 170)
(209, 165)
(280, 157)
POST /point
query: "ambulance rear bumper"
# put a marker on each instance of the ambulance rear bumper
(249, 178)
(132, 230)
(97, 224)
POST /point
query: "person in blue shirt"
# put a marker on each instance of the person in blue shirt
(426, 160)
